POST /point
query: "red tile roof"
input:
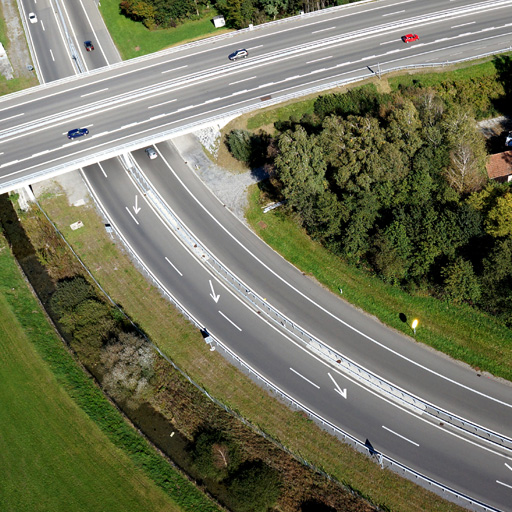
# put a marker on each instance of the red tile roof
(499, 165)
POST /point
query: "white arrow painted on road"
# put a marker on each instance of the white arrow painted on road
(212, 295)
(136, 208)
(342, 392)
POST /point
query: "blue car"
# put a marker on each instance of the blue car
(77, 132)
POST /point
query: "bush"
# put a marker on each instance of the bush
(239, 144)
(255, 487)
(69, 293)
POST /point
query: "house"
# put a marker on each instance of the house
(499, 167)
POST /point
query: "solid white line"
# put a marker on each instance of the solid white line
(173, 266)
(51, 53)
(163, 103)
(131, 125)
(131, 214)
(102, 170)
(12, 117)
(95, 92)
(185, 108)
(212, 100)
(506, 485)
(389, 42)
(240, 81)
(402, 437)
(230, 321)
(174, 69)
(302, 376)
(323, 30)
(464, 24)
(392, 13)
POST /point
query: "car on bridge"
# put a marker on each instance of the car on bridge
(152, 154)
(238, 54)
(409, 38)
(77, 132)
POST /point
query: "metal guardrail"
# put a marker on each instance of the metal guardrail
(379, 457)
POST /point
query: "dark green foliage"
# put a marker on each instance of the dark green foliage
(397, 184)
(248, 147)
(358, 102)
(69, 293)
(215, 454)
(255, 487)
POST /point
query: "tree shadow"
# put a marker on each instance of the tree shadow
(503, 65)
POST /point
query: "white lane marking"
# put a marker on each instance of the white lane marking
(506, 485)
(343, 392)
(278, 332)
(174, 69)
(42, 25)
(131, 125)
(307, 380)
(131, 215)
(509, 467)
(212, 100)
(157, 117)
(9, 163)
(239, 92)
(230, 321)
(266, 85)
(463, 24)
(244, 80)
(185, 108)
(102, 170)
(94, 92)
(213, 295)
(1, 153)
(173, 266)
(393, 13)
(389, 42)
(322, 30)
(163, 103)
(41, 153)
(51, 53)
(318, 60)
(398, 435)
(12, 117)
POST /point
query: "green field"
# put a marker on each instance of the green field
(133, 39)
(56, 455)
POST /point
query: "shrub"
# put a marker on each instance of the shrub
(69, 293)
(239, 144)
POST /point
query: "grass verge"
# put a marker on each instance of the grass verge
(133, 39)
(181, 341)
(57, 455)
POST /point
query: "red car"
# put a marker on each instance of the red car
(409, 38)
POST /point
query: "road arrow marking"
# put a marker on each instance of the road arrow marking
(136, 208)
(212, 295)
(342, 392)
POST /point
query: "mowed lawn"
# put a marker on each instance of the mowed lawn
(53, 457)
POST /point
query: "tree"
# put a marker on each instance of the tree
(255, 487)
(460, 282)
(499, 218)
(300, 167)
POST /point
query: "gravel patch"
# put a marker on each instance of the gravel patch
(231, 189)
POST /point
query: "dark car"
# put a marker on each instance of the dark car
(77, 132)
(239, 54)
(409, 38)
(89, 46)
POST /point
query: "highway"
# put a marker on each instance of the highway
(179, 87)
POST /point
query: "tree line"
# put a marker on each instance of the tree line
(237, 13)
(396, 184)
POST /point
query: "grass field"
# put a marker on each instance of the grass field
(53, 457)
(134, 39)
(63, 446)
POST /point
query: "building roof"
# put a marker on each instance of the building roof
(499, 165)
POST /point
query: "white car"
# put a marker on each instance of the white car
(32, 17)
